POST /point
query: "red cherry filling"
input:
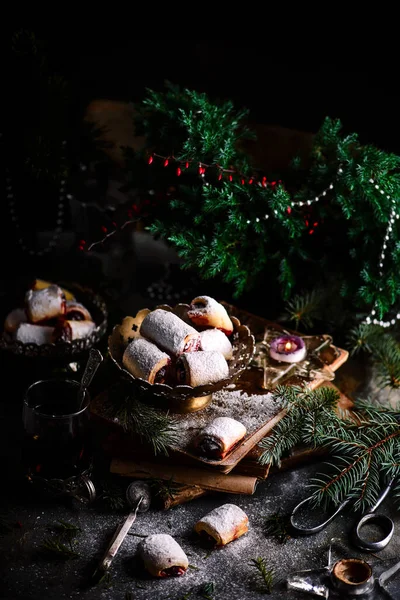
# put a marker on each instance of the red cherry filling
(173, 572)
(192, 345)
(160, 375)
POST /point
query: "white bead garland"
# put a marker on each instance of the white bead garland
(60, 213)
(389, 229)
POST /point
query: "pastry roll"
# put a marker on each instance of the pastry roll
(207, 312)
(223, 524)
(219, 437)
(76, 312)
(215, 339)
(169, 332)
(130, 326)
(45, 304)
(145, 360)
(15, 318)
(162, 556)
(41, 284)
(67, 331)
(199, 368)
(34, 334)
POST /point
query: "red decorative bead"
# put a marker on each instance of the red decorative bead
(315, 224)
(311, 231)
(104, 229)
(220, 177)
(242, 181)
(187, 165)
(306, 222)
(288, 210)
(250, 181)
(230, 177)
(150, 160)
(200, 170)
(166, 161)
(273, 182)
(82, 242)
(178, 171)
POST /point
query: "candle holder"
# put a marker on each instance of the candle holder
(307, 364)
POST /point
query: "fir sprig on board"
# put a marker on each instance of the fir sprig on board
(153, 427)
(364, 445)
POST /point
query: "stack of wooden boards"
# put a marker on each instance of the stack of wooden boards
(240, 471)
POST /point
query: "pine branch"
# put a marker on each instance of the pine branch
(304, 309)
(266, 574)
(153, 427)
(55, 549)
(277, 526)
(306, 411)
(207, 590)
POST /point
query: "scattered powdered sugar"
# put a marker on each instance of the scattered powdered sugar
(208, 306)
(141, 356)
(252, 411)
(160, 551)
(223, 521)
(214, 339)
(204, 367)
(167, 331)
(226, 429)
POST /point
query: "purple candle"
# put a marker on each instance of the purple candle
(288, 348)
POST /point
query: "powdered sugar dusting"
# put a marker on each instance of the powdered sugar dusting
(167, 331)
(160, 551)
(223, 521)
(204, 367)
(214, 339)
(141, 356)
(45, 304)
(226, 429)
(252, 411)
(34, 334)
(205, 310)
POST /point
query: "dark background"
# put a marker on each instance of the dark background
(297, 93)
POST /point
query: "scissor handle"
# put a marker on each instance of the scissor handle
(382, 496)
(384, 522)
(311, 530)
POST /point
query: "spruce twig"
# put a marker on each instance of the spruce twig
(55, 549)
(266, 574)
(207, 590)
(154, 427)
(304, 309)
(277, 526)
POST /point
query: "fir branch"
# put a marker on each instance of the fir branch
(153, 427)
(55, 549)
(266, 574)
(67, 529)
(112, 495)
(363, 337)
(304, 309)
(277, 526)
(207, 590)
(306, 411)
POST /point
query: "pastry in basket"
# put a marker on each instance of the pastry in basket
(215, 339)
(145, 360)
(204, 311)
(45, 304)
(162, 556)
(169, 332)
(200, 368)
(67, 331)
(14, 319)
(41, 284)
(219, 437)
(130, 326)
(27, 333)
(75, 311)
(223, 524)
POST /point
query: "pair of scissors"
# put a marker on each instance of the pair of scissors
(384, 523)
